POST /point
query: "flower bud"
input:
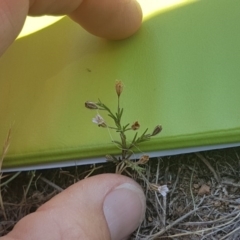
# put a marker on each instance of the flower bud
(119, 87)
(91, 105)
(157, 130)
(135, 126)
(143, 160)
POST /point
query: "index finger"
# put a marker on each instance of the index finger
(111, 19)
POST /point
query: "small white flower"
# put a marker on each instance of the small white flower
(99, 121)
(163, 190)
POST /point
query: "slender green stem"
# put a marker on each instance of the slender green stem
(122, 129)
(29, 184)
(10, 179)
(124, 144)
(118, 105)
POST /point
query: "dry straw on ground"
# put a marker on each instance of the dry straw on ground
(203, 201)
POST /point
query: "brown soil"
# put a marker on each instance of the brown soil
(203, 201)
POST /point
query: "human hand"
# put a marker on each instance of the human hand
(94, 208)
(103, 207)
(111, 19)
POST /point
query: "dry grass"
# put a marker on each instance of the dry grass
(4, 152)
(204, 197)
(203, 201)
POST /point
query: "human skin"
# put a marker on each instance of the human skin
(103, 207)
(111, 19)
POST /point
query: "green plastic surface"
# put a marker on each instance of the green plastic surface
(180, 70)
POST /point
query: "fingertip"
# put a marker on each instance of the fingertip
(124, 209)
(111, 204)
(110, 19)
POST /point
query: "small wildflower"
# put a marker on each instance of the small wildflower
(99, 121)
(91, 105)
(135, 126)
(157, 130)
(143, 160)
(123, 162)
(119, 87)
(163, 190)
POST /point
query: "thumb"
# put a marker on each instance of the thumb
(107, 206)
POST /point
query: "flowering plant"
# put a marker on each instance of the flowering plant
(126, 146)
